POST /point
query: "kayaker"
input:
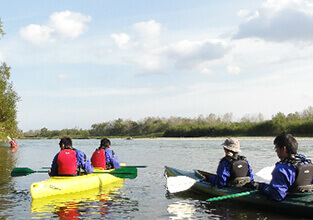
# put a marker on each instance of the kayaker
(233, 169)
(293, 173)
(105, 157)
(69, 160)
(13, 143)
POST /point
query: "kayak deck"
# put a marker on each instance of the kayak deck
(52, 203)
(59, 185)
(296, 204)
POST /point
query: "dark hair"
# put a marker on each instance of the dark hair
(288, 141)
(66, 141)
(105, 143)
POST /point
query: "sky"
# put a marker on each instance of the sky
(75, 63)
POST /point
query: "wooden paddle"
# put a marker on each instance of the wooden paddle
(129, 173)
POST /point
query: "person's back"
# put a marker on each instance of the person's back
(291, 174)
(69, 160)
(98, 158)
(233, 169)
(103, 157)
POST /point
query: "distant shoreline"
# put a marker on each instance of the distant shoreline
(213, 138)
(177, 138)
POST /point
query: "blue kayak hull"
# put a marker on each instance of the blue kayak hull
(300, 204)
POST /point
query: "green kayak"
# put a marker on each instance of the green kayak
(299, 204)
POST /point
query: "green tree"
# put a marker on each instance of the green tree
(8, 100)
(1, 30)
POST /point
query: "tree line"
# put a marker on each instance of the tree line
(298, 124)
(8, 100)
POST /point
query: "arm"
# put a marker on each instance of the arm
(222, 174)
(283, 176)
(250, 172)
(54, 166)
(111, 158)
(83, 162)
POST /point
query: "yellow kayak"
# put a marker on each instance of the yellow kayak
(60, 185)
(54, 203)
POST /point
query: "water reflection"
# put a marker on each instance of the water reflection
(93, 203)
(181, 210)
(196, 206)
(8, 161)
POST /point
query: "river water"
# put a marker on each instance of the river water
(142, 198)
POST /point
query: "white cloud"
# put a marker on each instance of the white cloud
(63, 25)
(37, 34)
(206, 72)
(233, 69)
(247, 14)
(69, 24)
(189, 55)
(148, 30)
(121, 40)
(145, 48)
(280, 20)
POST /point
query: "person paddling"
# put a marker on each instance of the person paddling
(293, 173)
(13, 143)
(233, 169)
(103, 157)
(69, 160)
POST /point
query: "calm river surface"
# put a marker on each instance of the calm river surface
(142, 198)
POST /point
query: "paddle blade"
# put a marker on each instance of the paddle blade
(266, 173)
(179, 183)
(21, 171)
(126, 172)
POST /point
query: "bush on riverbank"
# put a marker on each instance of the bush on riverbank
(299, 124)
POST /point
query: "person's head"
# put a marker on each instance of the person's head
(231, 146)
(285, 145)
(105, 143)
(65, 142)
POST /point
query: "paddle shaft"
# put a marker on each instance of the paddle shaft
(140, 166)
(232, 196)
(121, 173)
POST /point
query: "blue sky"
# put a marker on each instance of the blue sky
(76, 63)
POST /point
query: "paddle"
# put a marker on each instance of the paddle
(181, 183)
(176, 184)
(24, 171)
(232, 196)
(139, 166)
(129, 173)
(266, 173)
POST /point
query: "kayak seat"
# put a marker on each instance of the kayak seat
(239, 181)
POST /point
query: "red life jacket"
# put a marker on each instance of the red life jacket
(67, 162)
(98, 159)
(13, 144)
